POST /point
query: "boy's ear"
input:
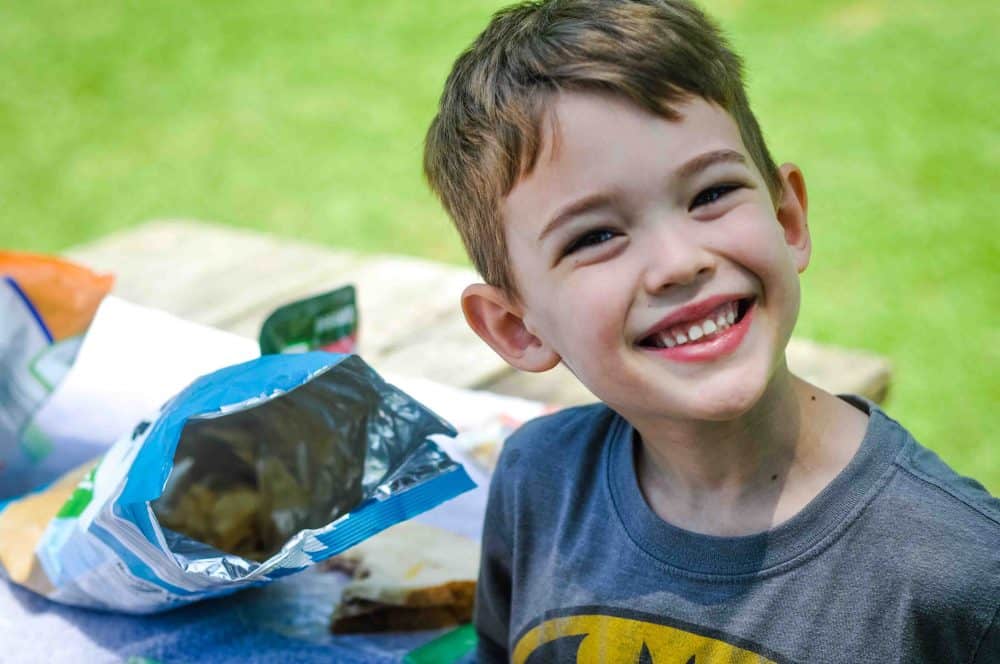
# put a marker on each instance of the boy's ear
(792, 214)
(498, 321)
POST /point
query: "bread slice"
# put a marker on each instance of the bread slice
(409, 577)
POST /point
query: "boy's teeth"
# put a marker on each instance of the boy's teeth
(719, 320)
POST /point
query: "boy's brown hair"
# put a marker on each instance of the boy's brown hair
(487, 133)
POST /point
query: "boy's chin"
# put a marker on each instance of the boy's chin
(712, 403)
(727, 407)
(730, 407)
(736, 401)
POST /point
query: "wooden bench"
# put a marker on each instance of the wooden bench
(411, 322)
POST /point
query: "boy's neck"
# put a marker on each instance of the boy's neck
(748, 475)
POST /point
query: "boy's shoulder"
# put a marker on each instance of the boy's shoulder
(558, 449)
(570, 431)
(942, 489)
(545, 462)
(929, 521)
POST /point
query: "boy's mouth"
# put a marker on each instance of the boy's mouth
(694, 331)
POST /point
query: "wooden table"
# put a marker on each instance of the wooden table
(411, 322)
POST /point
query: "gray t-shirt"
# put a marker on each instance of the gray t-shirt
(896, 560)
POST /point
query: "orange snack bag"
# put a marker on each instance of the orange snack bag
(66, 295)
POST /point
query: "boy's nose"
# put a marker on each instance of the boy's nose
(673, 260)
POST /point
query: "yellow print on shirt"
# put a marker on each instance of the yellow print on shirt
(609, 639)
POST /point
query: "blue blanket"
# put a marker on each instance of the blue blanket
(285, 621)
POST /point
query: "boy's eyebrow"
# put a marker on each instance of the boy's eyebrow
(690, 168)
(573, 209)
(703, 161)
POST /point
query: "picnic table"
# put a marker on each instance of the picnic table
(411, 325)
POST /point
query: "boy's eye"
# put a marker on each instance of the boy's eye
(588, 239)
(712, 194)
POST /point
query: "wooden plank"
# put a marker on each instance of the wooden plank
(446, 351)
(840, 370)
(397, 297)
(402, 298)
(232, 278)
(170, 264)
(277, 278)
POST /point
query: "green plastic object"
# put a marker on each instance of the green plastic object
(328, 321)
(445, 649)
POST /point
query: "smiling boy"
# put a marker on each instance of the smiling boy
(613, 188)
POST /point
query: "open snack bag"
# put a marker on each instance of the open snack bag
(251, 473)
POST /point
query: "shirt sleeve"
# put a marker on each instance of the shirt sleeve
(493, 591)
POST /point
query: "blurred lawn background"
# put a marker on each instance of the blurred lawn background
(307, 119)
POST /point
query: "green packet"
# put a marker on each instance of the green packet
(327, 322)
(445, 649)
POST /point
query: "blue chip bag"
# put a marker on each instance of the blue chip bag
(253, 472)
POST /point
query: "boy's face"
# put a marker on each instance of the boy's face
(629, 219)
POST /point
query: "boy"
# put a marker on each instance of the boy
(613, 188)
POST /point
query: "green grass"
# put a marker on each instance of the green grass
(307, 119)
